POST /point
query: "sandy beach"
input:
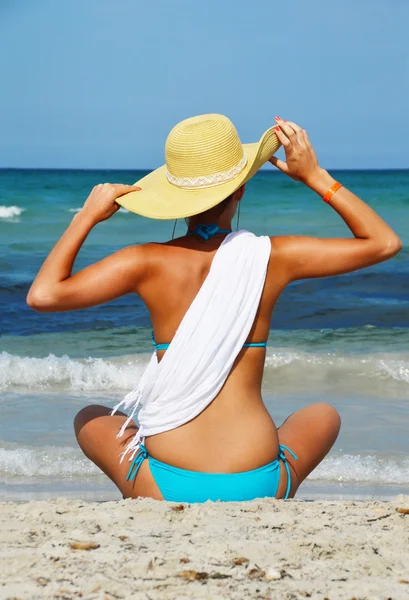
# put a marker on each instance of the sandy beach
(261, 549)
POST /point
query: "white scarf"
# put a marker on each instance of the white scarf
(206, 344)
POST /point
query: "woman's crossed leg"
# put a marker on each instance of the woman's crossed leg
(310, 433)
(96, 432)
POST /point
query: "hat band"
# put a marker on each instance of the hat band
(192, 183)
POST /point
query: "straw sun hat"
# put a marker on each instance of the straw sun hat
(205, 163)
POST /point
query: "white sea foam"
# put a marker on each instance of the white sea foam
(392, 366)
(45, 462)
(398, 370)
(283, 368)
(64, 373)
(8, 212)
(62, 462)
(76, 210)
(349, 468)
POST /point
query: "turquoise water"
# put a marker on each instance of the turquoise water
(344, 340)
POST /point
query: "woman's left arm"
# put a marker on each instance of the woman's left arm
(55, 289)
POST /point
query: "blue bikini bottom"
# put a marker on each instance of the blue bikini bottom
(180, 485)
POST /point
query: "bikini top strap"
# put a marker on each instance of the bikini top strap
(206, 232)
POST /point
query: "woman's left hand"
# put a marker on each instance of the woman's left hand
(101, 203)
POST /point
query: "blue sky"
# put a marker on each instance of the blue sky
(99, 83)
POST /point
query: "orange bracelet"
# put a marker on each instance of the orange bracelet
(334, 188)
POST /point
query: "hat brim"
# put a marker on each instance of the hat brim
(159, 199)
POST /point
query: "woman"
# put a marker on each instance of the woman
(222, 443)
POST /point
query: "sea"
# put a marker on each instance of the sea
(342, 340)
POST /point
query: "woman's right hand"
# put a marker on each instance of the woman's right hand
(301, 161)
(101, 203)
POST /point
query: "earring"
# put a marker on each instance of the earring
(238, 217)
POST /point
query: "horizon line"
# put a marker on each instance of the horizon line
(149, 170)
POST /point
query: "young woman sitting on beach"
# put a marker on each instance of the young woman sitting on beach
(204, 431)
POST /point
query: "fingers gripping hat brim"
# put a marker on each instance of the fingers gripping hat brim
(160, 199)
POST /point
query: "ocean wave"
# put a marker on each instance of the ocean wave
(77, 210)
(8, 212)
(398, 370)
(302, 366)
(67, 462)
(288, 367)
(64, 373)
(349, 468)
(49, 461)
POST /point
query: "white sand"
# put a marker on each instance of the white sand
(260, 549)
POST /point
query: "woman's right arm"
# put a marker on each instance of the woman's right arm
(306, 257)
